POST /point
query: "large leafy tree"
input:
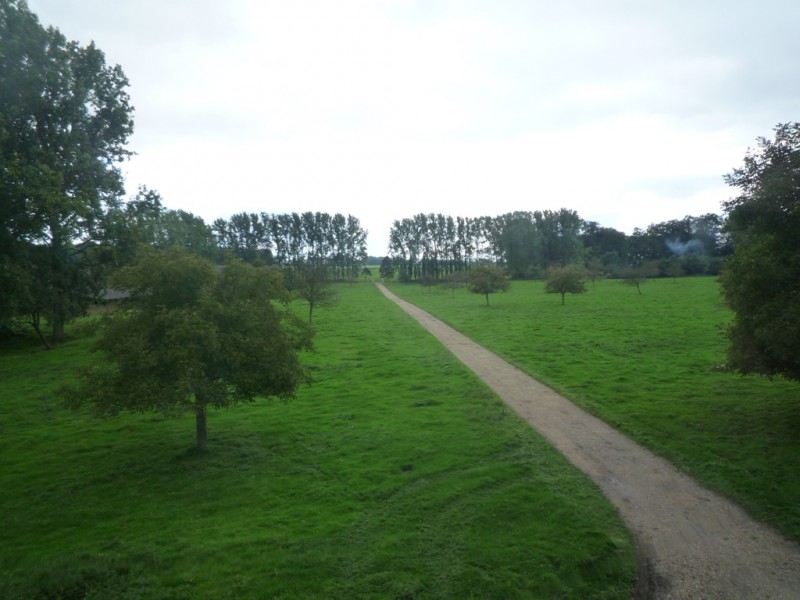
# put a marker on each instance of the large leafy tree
(193, 337)
(65, 118)
(761, 280)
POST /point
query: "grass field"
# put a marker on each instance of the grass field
(649, 365)
(395, 475)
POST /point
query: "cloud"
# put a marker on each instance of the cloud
(627, 112)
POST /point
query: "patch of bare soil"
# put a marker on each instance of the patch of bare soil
(692, 542)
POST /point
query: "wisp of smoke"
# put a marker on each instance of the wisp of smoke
(679, 248)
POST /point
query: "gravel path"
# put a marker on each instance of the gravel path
(692, 542)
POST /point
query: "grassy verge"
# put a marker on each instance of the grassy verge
(648, 365)
(396, 475)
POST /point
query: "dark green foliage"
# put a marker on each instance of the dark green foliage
(434, 245)
(191, 337)
(761, 280)
(144, 221)
(294, 239)
(606, 247)
(527, 243)
(65, 118)
(387, 268)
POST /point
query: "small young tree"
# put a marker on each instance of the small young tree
(191, 337)
(636, 276)
(455, 280)
(65, 119)
(428, 281)
(594, 269)
(675, 268)
(310, 282)
(487, 278)
(565, 280)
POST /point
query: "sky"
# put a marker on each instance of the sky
(628, 112)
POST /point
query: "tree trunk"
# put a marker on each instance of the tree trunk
(562, 298)
(58, 329)
(35, 320)
(202, 432)
(487, 299)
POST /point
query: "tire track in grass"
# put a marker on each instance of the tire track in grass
(693, 543)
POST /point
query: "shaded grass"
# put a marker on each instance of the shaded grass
(649, 365)
(395, 475)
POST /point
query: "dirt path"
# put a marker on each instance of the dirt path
(693, 543)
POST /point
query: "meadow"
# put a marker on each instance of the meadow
(651, 365)
(396, 474)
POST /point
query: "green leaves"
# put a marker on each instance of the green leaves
(192, 336)
(565, 280)
(761, 281)
(65, 118)
(487, 278)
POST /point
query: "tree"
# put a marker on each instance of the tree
(487, 278)
(604, 243)
(561, 233)
(636, 276)
(65, 118)
(428, 281)
(310, 282)
(521, 243)
(595, 269)
(455, 280)
(565, 280)
(674, 268)
(761, 279)
(192, 337)
(387, 268)
(143, 221)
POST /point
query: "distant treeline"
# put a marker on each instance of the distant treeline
(337, 242)
(526, 243)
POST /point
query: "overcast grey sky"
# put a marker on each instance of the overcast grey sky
(629, 112)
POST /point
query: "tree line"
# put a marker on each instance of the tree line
(284, 240)
(336, 242)
(527, 243)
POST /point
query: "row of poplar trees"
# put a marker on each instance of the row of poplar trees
(526, 243)
(335, 241)
(432, 245)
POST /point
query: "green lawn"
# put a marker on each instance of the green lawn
(395, 475)
(649, 365)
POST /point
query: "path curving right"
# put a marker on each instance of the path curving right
(693, 543)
